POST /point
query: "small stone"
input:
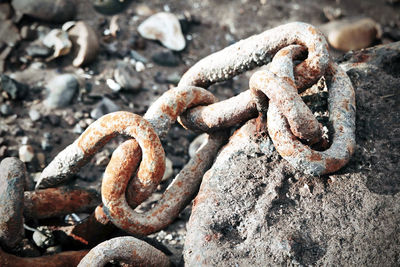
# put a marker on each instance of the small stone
(78, 129)
(59, 41)
(41, 159)
(47, 10)
(53, 119)
(34, 115)
(53, 250)
(349, 35)
(61, 90)
(165, 28)
(114, 86)
(43, 237)
(114, 26)
(143, 10)
(26, 153)
(26, 249)
(3, 150)
(110, 7)
(138, 57)
(139, 66)
(68, 25)
(35, 50)
(46, 144)
(85, 42)
(166, 58)
(5, 109)
(168, 169)
(9, 33)
(5, 11)
(105, 106)
(127, 77)
(332, 13)
(196, 143)
(70, 120)
(14, 89)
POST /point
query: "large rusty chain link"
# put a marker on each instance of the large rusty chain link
(137, 165)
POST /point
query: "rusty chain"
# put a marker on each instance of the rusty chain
(137, 165)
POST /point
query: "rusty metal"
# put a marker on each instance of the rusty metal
(341, 107)
(126, 249)
(258, 50)
(96, 135)
(175, 198)
(119, 208)
(54, 202)
(12, 179)
(220, 115)
(282, 92)
(63, 259)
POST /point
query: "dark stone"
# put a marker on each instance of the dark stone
(47, 10)
(13, 88)
(6, 110)
(38, 51)
(110, 7)
(254, 209)
(166, 58)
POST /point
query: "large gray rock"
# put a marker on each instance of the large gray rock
(61, 89)
(254, 209)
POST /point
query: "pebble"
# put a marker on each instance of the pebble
(196, 143)
(34, 115)
(53, 250)
(127, 77)
(41, 159)
(166, 58)
(43, 237)
(59, 41)
(143, 10)
(61, 90)
(105, 106)
(138, 57)
(5, 109)
(5, 11)
(47, 10)
(14, 89)
(54, 119)
(332, 13)
(139, 66)
(164, 27)
(26, 153)
(168, 169)
(9, 33)
(110, 7)
(85, 42)
(35, 50)
(349, 35)
(114, 86)
(26, 249)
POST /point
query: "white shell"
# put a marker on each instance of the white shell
(59, 41)
(165, 28)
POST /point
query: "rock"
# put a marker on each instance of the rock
(14, 89)
(41, 157)
(12, 177)
(143, 10)
(127, 77)
(113, 85)
(5, 11)
(9, 33)
(58, 40)
(34, 115)
(110, 7)
(53, 250)
(47, 10)
(332, 13)
(61, 90)
(85, 42)
(196, 143)
(269, 214)
(139, 66)
(168, 169)
(35, 50)
(349, 35)
(43, 237)
(5, 109)
(138, 57)
(165, 28)
(54, 119)
(105, 106)
(166, 58)
(26, 249)
(26, 153)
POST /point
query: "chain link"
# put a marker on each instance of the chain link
(273, 93)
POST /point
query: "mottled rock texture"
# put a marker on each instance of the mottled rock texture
(254, 209)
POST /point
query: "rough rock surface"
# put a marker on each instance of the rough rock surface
(253, 209)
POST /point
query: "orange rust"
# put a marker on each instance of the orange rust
(63, 259)
(312, 30)
(333, 165)
(315, 156)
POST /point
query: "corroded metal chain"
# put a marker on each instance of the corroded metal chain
(273, 93)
